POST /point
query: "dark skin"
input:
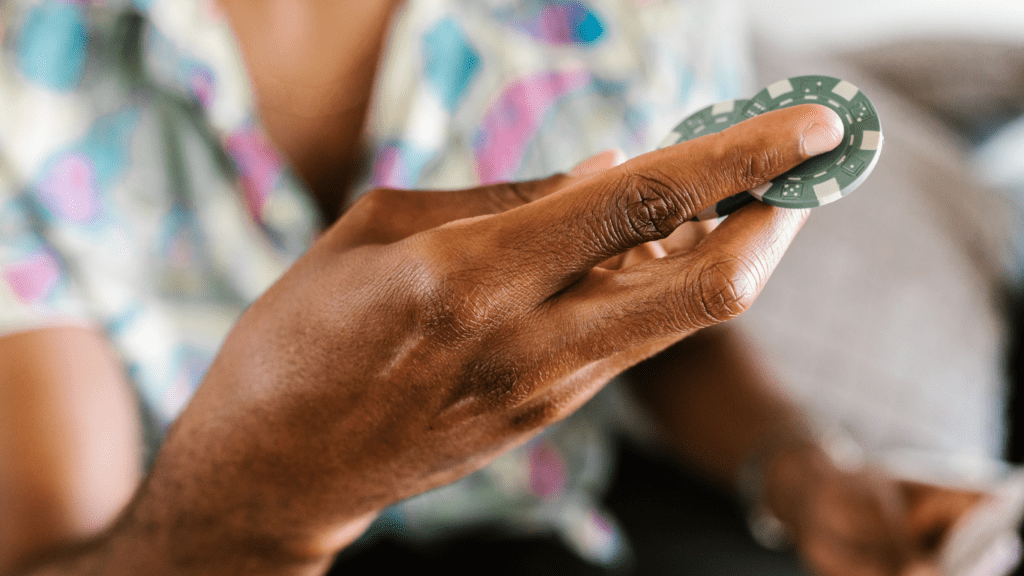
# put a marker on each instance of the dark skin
(463, 326)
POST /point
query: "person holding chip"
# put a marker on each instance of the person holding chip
(412, 338)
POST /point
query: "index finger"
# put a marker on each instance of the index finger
(646, 198)
(932, 511)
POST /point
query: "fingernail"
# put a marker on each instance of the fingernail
(598, 162)
(823, 135)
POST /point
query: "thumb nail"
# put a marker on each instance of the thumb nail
(823, 134)
(598, 162)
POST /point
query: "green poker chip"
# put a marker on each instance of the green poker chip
(710, 120)
(830, 176)
(818, 181)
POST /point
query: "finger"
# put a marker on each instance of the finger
(643, 253)
(827, 557)
(649, 196)
(932, 511)
(876, 552)
(884, 534)
(894, 512)
(613, 263)
(497, 198)
(383, 216)
(687, 236)
(862, 518)
(676, 295)
(861, 506)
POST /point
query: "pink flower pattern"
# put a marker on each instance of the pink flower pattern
(33, 278)
(69, 189)
(511, 124)
(259, 166)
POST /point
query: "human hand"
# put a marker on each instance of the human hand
(426, 333)
(862, 522)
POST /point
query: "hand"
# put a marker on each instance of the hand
(426, 333)
(864, 522)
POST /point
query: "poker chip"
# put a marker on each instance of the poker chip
(818, 181)
(710, 120)
(830, 176)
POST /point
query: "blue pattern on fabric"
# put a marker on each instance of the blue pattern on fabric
(52, 46)
(450, 62)
(399, 164)
(121, 323)
(555, 22)
(586, 26)
(73, 184)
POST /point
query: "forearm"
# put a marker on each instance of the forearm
(190, 519)
(220, 499)
(132, 548)
(716, 407)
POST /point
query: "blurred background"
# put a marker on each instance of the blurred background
(950, 81)
(837, 26)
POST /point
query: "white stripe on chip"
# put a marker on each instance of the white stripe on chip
(723, 107)
(871, 140)
(779, 88)
(760, 190)
(671, 139)
(828, 191)
(846, 90)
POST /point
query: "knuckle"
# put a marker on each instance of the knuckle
(490, 383)
(725, 289)
(527, 191)
(455, 313)
(738, 167)
(515, 193)
(377, 204)
(454, 298)
(500, 385)
(508, 195)
(651, 207)
(754, 169)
